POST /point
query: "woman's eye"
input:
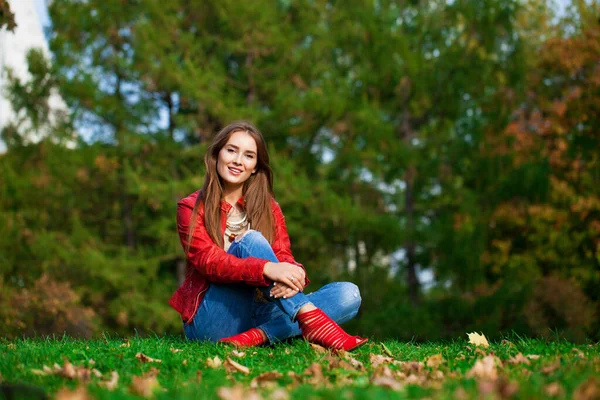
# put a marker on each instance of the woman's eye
(250, 156)
(230, 151)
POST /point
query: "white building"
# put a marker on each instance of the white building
(30, 17)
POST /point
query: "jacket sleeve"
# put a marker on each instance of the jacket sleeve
(211, 260)
(282, 246)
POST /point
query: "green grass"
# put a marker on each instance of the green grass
(571, 368)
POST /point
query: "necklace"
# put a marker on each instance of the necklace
(233, 229)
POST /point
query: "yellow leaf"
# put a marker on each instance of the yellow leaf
(478, 340)
(435, 360)
(214, 362)
(144, 358)
(232, 366)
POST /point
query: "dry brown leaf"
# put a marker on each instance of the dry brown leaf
(126, 343)
(265, 379)
(588, 390)
(214, 362)
(279, 394)
(507, 343)
(174, 350)
(378, 359)
(578, 353)
(553, 389)
(79, 393)
(97, 373)
(437, 375)
(317, 348)
(415, 380)
(238, 392)
(460, 357)
(435, 361)
(238, 354)
(144, 385)
(484, 368)
(412, 367)
(315, 373)
(91, 362)
(112, 383)
(519, 359)
(533, 356)
(387, 382)
(478, 340)
(550, 368)
(232, 366)
(68, 370)
(145, 359)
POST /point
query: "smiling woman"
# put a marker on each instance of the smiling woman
(243, 285)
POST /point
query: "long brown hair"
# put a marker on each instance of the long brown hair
(257, 190)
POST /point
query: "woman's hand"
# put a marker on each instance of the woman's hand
(286, 273)
(280, 290)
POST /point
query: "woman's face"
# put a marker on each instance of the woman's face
(237, 159)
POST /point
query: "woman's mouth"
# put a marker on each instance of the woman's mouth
(234, 170)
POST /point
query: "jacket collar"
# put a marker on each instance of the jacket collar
(225, 206)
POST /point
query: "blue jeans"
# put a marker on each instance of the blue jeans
(229, 309)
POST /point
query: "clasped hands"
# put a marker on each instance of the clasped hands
(289, 278)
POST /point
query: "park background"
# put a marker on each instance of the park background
(443, 155)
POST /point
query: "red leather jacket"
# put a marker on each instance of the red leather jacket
(207, 262)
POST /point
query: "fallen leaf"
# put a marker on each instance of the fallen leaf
(533, 356)
(145, 359)
(79, 393)
(184, 362)
(214, 362)
(126, 343)
(238, 392)
(378, 359)
(460, 357)
(232, 366)
(317, 348)
(484, 368)
(553, 389)
(588, 390)
(315, 373)
(91, 362)
(96, 373)
(112, 383)
(239, 354)
(437, 375)
(387, 382)
(550, 368)
(173, 350)
(507, 343)
(386, 350)
(578, 353)
(478, 340)
(435, 361)
(412, 367)
(519, 359)
(144, 385)
(265, 378)
(279, 394)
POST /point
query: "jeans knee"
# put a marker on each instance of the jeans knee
(350, 296)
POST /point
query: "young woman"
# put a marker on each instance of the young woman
(243, 285)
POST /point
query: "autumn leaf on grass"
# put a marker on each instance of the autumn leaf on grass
(80, 393)
(112, 383)
(484, 368)
(317, 348)
(315, 372)
(533, 356)
(174, 350)
(238, 392)
(378, 359)
(519, 359)
(238, 354)
(232, 366)
(144, 385)
(145, 359)
(386, 350)
(387, 382)
(265, 379)
(435, 361)
(478, 340)
(214, 362)
(351, 360)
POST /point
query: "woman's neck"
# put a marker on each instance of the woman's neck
(232, 195)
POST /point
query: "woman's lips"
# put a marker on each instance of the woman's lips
(235, 171)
